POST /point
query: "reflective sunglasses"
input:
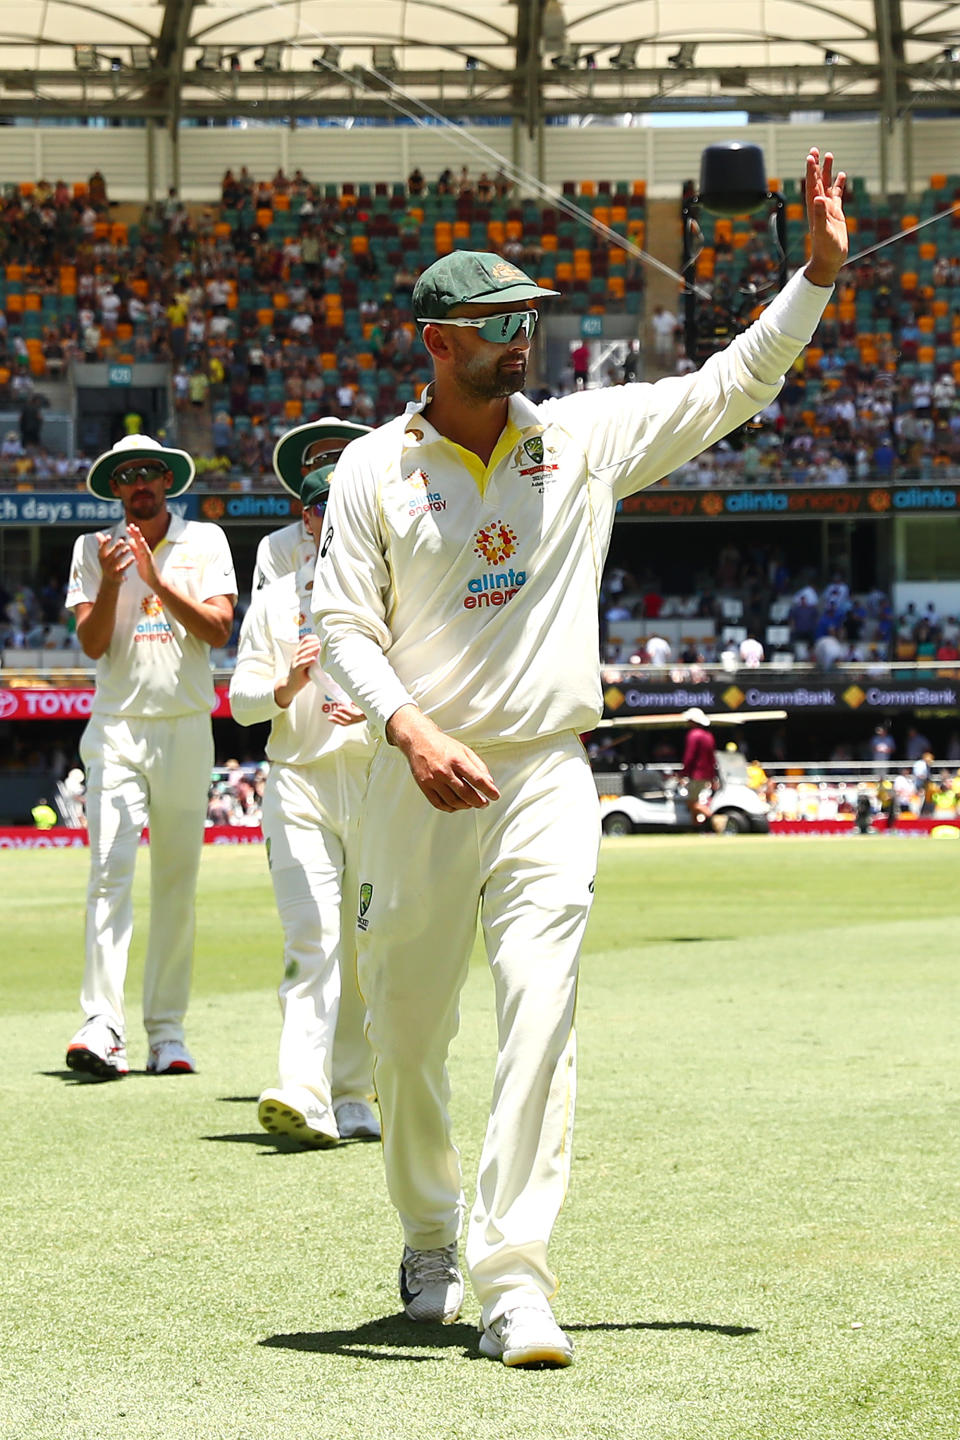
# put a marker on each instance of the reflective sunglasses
(319, 508)
(147, 470)
(497, 329)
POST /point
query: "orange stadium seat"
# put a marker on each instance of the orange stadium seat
(938, 182)
(638, 189)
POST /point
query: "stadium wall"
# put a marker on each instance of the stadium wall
(663, 157)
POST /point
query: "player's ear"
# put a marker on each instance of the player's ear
(436, 340)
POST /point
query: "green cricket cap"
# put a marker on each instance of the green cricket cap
(471, 277)
(316, 486)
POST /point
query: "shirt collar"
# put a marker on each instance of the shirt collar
(174, 533)
(522, 414)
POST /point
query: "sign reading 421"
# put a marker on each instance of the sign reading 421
(119, 374)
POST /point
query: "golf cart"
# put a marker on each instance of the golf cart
(640, 798)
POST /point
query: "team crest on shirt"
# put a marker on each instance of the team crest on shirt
(534, 450)
(495, 543)
(366, 895)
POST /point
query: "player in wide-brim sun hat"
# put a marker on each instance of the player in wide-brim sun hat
(139, 447)
(301, 450)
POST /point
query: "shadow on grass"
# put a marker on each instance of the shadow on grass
(703, 1326)
(82, 1077)
(273, 1144)
(237, 1099)
(394, 1338)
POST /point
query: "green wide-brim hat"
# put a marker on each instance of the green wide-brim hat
(288, 453)
(139, 447)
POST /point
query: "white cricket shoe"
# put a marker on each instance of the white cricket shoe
(296, 1111)
(98, 1049)
(170, 1057)
(356, 1120)
(431, 1286)
(527, 1334)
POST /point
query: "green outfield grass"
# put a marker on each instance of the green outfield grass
(761, 1239)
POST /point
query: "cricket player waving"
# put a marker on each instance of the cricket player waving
(456, 597)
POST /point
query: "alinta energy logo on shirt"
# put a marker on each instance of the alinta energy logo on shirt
(153, 626)
(495, 544)
(432, 500)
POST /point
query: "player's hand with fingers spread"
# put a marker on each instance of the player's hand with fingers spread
(828, 227)
(115, 558)
(450, 774)
(306, 653)
(142, 557)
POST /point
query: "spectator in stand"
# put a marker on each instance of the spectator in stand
(751, 652)
(882, 748)
(659, 651)
(828, 650)
(916, 744)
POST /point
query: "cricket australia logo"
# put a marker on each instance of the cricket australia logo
(495, 543)
(366, 895)
(536, 452)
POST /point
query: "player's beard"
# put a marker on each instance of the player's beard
(144, 505)
(481, 379)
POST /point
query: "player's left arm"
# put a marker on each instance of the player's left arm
(209, 620)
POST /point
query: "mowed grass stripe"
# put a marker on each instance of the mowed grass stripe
(760, 1239)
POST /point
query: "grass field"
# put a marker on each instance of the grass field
(761, 1239)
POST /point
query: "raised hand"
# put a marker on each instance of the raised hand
(828, 227)
(142, 556)
(115, 558)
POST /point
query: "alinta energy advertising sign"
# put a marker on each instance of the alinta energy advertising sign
(788, 502)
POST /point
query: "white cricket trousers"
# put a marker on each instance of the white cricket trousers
(528, 863)
(144, 772)
(310, 821)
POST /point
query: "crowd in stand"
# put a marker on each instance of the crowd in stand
(757, 611)
(291, 299)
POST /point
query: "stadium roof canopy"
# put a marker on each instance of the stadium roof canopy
(524, 59)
